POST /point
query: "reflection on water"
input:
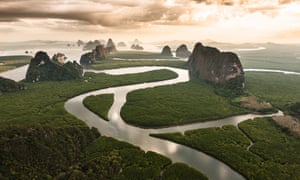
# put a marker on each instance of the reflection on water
(118, 129)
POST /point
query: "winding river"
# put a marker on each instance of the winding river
(118, 129)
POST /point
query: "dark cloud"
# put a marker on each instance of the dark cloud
(16, 14)
(8, 19)
(118, 13)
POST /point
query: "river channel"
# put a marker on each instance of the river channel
(117, 128)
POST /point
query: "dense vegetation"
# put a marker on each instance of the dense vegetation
(232, 88)
(43, 103)
(294, 109)
(111, 64)
(100, 104)
(278, 89)
(40, 140)
(271, 142)
(27, 134)
(194, 101)
(123, 161)
(77, 153)
(179, 171)
(274, 155)
(11, 62)
(41, 152)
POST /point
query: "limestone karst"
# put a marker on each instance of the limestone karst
(42, 68)
(87, 58)
(182, 51)
(97, 54)
(110, 46)
(80, 43)
(166, 51)
(137, 47)
(212, 65)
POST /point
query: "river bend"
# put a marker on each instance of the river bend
(118, 129)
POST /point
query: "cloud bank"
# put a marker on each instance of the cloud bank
(140, 15)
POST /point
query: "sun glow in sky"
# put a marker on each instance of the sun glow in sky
(151, 20)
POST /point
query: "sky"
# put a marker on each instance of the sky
(233, 21)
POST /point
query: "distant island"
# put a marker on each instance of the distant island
(42, 68)
(222, 68)
(42, 138)
(99, 53)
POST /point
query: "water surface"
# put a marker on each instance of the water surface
(118, 129)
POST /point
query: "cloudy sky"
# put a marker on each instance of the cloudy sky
(151, 20)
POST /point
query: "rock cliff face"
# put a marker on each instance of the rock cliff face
(209, 64)
(87, 58)
(166, 51)
(99, 53)
(59, 58)
(182, 51)
(110, 46)
(41, 68)
(8, 85)
(96, 55)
